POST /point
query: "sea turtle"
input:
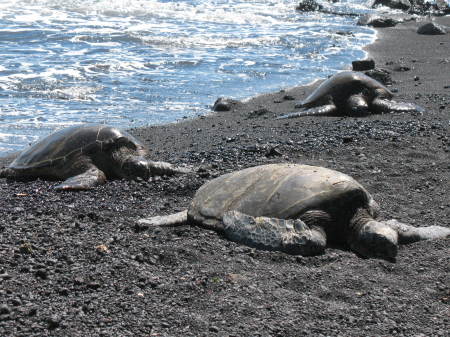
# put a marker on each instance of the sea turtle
(350, 93)
(85, 156)
(297, 209)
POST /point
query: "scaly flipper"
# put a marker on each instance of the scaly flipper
(158, 168)
(380, 105)
(175, 219)
(84, 181)
(322, 110)
(409, 234)
(289, 236)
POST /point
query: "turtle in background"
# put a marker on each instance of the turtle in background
(85, 156)
(296, 209)
(350, 93)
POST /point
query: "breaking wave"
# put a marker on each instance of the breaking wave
(140, 62)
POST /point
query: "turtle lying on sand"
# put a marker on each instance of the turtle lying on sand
(85, 156)
(350, 93)
(297, 209)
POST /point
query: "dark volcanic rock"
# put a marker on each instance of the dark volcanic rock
(435, 8)
(442, 6)
(361, 65)
(224, 104)
(308, 6)
(313, 6)
(432, 28)
(396, 4)
(381, 75)
(376, 20)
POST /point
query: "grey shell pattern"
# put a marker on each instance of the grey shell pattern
(346, 81)
(81, 139)
(283, 191)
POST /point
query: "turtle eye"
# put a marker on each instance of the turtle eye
(122, 141)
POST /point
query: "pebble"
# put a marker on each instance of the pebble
(289, 98)
(32, 312)
(53, 322)
(213, 328)
(16, 302)
(41, 273)
(4, 309)
(5, 276)
(94, 285)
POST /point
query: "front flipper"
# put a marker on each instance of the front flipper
(289, 236)
(409, 234)
(84, 181)
(380, 105)
(322, 110)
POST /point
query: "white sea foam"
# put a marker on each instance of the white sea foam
(134, 62)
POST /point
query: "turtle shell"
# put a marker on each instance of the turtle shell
(81, 139)
(283, 191)
(344, 84)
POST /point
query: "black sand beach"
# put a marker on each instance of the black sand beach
(77, 264)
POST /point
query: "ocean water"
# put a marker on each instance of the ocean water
(138, 62)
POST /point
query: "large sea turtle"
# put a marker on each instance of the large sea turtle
(84, 156)
(297, 209)
(350, 93)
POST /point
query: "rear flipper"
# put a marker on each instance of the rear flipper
(84, 181)
(380, 105)
(159, 168)
(408, 234)
(175, 219)
(322, 110)
(289, 236)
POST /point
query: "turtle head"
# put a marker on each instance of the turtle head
(375, 239)
(383, 92)
(357, 105)
(134, 167)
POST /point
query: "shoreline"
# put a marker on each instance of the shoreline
(11, 153)
(78, 264)
(394, 60)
